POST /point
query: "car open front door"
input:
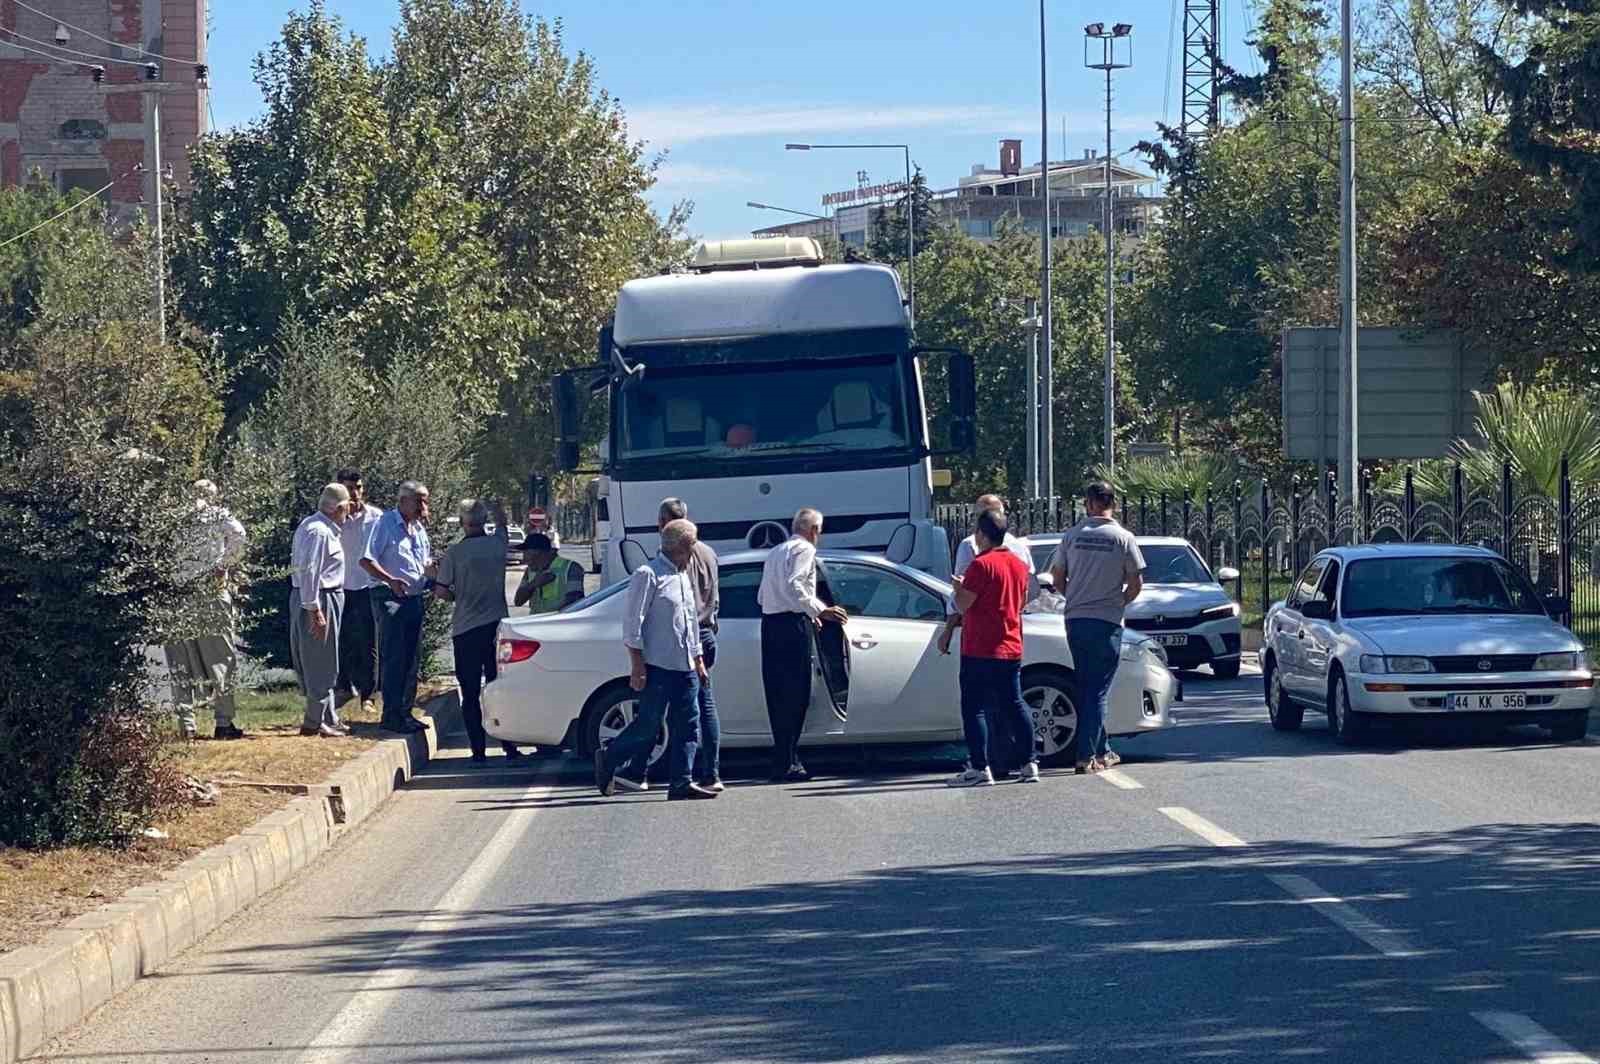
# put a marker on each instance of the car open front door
(899, 682)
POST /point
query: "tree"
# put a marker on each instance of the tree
(888, 243)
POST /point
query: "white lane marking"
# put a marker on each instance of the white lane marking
(348, 1031)
(1202, 827)
(1387, 942)
(1117, 778)
(1534, 1041)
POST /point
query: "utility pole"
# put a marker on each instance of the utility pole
(152, 91)
(1032, 324)
(1108, 62)
(1349, 391)
(1047, 450)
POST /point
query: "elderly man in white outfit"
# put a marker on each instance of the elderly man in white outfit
(316, 606)
(204, 667)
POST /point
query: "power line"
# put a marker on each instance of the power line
(62, 213)
(73, 51)
(103, 40)
(50, 56)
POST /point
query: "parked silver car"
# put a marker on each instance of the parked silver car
(1424, 631)
(1183, 606)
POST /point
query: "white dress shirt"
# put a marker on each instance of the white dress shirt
(968, 550)
(217, 543)
(789, 579)
(354, 534)
(317, 559)
(660, 619)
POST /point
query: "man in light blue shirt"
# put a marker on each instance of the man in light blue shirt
(400, 557)
(661, 629)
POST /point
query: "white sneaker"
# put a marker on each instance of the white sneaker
(625, 784)
(971, 778)
(1030, 773)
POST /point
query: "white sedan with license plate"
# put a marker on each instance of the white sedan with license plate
(563, 676)
(1183, 606)
(1422, 631)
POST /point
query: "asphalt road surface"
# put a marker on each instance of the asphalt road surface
(1230, 893)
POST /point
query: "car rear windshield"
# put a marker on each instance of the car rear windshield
(1381, 587)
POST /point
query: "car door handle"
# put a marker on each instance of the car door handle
(863, 641)
(1301, 634)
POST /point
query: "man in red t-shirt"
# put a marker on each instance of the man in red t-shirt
(990, 596)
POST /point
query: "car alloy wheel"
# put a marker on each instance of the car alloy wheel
(1055, 718)
(618, 715)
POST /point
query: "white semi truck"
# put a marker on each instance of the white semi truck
(758, 384)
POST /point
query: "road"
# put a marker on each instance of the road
(1229, 893)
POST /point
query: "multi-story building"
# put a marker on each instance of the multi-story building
(58, 121)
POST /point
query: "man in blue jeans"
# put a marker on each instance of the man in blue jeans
(703, 577)
(661, 630)
(1097, 570)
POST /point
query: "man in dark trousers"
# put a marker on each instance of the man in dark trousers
(707, 599)
(400, 557)
(990, 597)
(790, 610)
(472, 575)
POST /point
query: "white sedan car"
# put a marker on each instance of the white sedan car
(563, 677)
(1183, 606)
(1424, 631)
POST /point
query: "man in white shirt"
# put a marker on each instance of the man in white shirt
(358, 626)
(790, 610)
(204, 667)
(316, 605)
(967, 550)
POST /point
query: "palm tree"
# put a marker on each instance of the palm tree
(1532, 428)
(1192, 472)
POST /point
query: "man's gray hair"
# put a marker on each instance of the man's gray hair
(806, 519)
(674, 534)
(474, 513)
(672, 509)
(205, 490)
(333, 496)
(410, 489)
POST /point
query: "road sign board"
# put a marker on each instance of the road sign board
(1415, 392)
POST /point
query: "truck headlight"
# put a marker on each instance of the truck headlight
(1379, 663)
(1566, 661)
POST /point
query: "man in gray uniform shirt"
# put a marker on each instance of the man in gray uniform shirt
(473, 576)
(1098, 571)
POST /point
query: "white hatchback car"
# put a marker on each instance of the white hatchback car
(1183, 606)
(1421, 630)
(563, 676)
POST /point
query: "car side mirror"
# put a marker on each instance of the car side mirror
(1316, 610)
(1227, 574)
(1556, 605)
(1046, 580)
(569, 419)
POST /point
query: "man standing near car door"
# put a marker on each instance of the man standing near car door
(472, 575)
(990, 598)
(1097, 570)
(707, 600)
(662, 634)
(790, 610)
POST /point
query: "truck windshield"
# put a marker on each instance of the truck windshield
(729, 412)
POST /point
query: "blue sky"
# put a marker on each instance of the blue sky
(720, 86)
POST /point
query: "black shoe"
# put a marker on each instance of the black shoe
(604, 775)
(692, 793)
(397, 726)
(228, 731)
(797, 774)
(414, 725)
(480, 758)
(514, 754)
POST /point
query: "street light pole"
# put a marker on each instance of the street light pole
(1349, 427)
(911, 213)
(1046, 380)
(152, 90)
(1096, 31)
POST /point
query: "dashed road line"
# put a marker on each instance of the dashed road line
(1121, 780)
(1536, 1043)
(1389, 943)
(1202, 827)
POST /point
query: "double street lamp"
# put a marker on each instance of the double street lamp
(911, 212)
(1115, 53)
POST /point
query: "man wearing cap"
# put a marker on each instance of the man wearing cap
(550, 581)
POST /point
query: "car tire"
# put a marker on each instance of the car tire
(1052, 701)
(609, 707)
(1226, 669)
(1349, 727)
(1572, 727)
(1284, 712)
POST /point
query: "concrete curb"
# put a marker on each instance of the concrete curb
(49, 988)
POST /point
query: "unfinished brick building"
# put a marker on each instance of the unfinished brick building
(54, 118)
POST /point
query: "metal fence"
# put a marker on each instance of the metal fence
(1270, 535)
(574, 521)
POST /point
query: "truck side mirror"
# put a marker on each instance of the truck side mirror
(568, 415)
(963, 376)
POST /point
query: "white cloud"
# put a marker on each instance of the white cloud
(667, 126)
(672, 174)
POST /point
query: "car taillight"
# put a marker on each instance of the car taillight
(515, 650)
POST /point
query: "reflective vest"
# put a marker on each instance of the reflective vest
(547, 599)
